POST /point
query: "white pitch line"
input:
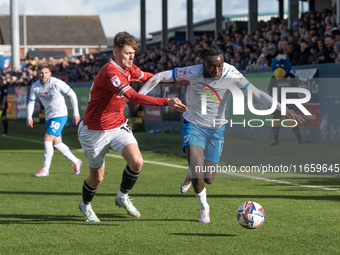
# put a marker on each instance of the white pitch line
(184, 167)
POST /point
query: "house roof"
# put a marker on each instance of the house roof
(31, 54)
(57, 30)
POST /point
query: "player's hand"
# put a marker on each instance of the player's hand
(293, 115)
(182, 83)
(176, 104)
(29, 123)
(76, 119)
(132, 106)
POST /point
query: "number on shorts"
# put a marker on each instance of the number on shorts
(126, 128)
(55, 126)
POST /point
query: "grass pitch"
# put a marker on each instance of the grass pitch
(41, 215)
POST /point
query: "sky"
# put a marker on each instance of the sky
(124, 15)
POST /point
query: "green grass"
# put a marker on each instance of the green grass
(41, 215)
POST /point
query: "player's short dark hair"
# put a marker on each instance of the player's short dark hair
(124, 38)
(43, 65)
(211, 51)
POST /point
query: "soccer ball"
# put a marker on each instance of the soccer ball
(250, 215)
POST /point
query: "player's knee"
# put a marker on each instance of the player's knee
(136, 165)
(94, 181)
(99, 180)
(208, 180)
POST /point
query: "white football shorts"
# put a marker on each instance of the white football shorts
(96, 143)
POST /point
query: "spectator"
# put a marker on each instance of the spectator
(292, 53)
(284, 37)
(270, 34)
(304, 53)
(227, 57)
(319, 54)
(308, 38)
(272, 53)
(329, 52)
(239, 62)
(336, 48)
(283, 47)
(252, 61)
(265, 64)
(232, 61)
(312, 54)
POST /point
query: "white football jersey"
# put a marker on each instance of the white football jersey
(51, 96)
(207, 98)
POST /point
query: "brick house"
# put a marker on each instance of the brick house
(75, 35)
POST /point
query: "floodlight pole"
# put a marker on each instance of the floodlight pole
(142, 26)
(25, 30)
(15, 40)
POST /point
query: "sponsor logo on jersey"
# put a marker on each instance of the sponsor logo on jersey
(181, 71)
(237, 72)
(115, 81)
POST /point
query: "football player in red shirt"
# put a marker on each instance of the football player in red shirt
(105, 126)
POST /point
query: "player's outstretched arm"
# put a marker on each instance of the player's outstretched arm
(176, 104)
(152, 83)
(165, 76)
(137, 98)
(182, 83)
(268, 100)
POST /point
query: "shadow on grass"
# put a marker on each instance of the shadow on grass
(59, 219)
(120, 217)
(189, 196)
(39, 219)
(73, 219)
(196, 234)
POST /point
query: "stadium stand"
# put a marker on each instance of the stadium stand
(314, 39)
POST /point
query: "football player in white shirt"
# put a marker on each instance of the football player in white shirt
(203, 138)
(50, 92)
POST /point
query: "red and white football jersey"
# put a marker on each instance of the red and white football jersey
(108, 93)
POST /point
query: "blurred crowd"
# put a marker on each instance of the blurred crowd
(314, 39)
(81, 69)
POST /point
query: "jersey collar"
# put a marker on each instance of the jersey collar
(116, 65)
(49, 80)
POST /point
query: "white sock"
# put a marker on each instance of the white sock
(87, 206)
(202, 198)
(48, 155)
(65, 150)
(122, 195)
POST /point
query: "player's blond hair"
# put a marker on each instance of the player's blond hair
(43, 65)
(124, 38)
